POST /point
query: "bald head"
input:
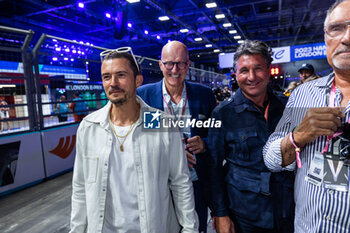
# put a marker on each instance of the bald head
(173, 46)
(175, 55)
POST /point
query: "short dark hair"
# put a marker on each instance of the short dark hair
(134, 67)
(250, 47)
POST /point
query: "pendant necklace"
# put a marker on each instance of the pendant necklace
(124, 136)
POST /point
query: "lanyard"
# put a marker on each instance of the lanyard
(171, 110)
(266, 113)
(332, 95)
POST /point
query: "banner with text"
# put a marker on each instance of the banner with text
(285, 54)
(309, 51)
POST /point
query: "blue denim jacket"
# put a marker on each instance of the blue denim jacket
(244, 186)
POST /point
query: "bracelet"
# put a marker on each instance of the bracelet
(297, 148)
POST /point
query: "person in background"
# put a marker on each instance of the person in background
(313, 136)
(226, 94)
(4, 114)
(246, 196)
(291, 87)
(234, 85)
(185, 100)
(62, 109)
(128, 179)
(307, 73)
(218, 95)
(79, 107)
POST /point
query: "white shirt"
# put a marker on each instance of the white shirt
(122, 212)
(317, 209)
(180, 111)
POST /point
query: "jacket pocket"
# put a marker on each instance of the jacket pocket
(90, 168)
(242, 141)
(245, 196)
(244, 181)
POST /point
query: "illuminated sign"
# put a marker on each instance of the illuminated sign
(84, 87)
(275, 71)
(309, 51)
(285, 54)
(281, 54)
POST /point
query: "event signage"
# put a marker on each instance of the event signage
(281, 54)
(84, 87)
(68, 72)
(285, 54)
(59, 149)
(309, 51)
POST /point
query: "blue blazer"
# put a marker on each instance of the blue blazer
(201, 102)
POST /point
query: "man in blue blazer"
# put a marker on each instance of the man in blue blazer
(184, 100)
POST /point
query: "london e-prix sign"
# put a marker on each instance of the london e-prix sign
(285, 54)
(308, 51)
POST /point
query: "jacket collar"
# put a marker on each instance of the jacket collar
(325, 82)
(191, 98)
(157, 99)
(101, 116)
(242, 103)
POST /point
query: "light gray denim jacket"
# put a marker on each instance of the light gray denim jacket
(165, 194)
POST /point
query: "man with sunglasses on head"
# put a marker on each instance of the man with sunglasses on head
(312, 137)
(126, 179)
(183, 99)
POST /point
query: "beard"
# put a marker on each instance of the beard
(341, 65)
(118, 101)
(341, 61)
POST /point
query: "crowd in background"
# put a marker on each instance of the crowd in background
(79, 108)
(306, 71)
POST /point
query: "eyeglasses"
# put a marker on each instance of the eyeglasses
(169, 65)
(120, 50)
(336, 29)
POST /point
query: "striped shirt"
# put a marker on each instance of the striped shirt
(317, 209)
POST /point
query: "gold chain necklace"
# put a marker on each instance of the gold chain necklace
(121, 143)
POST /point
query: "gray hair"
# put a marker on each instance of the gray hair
(330, 10)
(250, 47)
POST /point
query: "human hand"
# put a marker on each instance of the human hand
(191, 161)
(195, 145)
(224, 225)
(317, 122)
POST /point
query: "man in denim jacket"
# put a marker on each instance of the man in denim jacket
(246, 196)
(127, 178)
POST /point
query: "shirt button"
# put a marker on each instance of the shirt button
(328, 218)
(106, 164)
(103, 190)
(330, 192)
(242, 137)
(101, 216)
